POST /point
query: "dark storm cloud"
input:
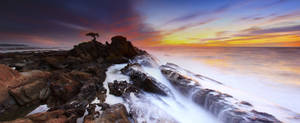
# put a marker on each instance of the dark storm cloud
(66, 20)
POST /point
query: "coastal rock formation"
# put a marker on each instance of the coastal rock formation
(217, 103)
(7, 102)
(21, 90)
(65, 86)
(118, 51)
(6, 77)
(33, 86)
(57, 116)
(116, 113)
(7, 74)
(67, 81)
(143, 81)
(88, 51)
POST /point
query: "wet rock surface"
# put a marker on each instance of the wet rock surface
(116, 113)
(143, 81)
(119, 88)
(7, 79)
(57, 116)
(22, 91)
(33, 87)
(67, 81)
(214, 101)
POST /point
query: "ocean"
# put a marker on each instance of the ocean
(264, 74)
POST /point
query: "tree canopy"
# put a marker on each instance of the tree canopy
(93, 35)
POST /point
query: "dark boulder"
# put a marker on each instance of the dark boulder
(120, 50)
(94, 114)
(7, 103)
(94, 88)
(20, 92)
(74, 109)
(119, 45)
(104, 106)
(143, 81)
(95, 69)
(7, 78)
(119, 88)
(63, 86)
(88, 51)
(76, 85)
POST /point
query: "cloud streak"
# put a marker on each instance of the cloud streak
(272, 4)
(187, 26)
(277, 30)
(195, 15)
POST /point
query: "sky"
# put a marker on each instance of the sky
(153, 23)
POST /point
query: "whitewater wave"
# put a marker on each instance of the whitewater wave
(151, 107)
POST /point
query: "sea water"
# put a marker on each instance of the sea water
(263, 76)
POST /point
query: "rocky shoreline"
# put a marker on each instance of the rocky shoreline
(67, 81)
(71, 85)
(218, 103)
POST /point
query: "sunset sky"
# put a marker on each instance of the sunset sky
(153, 23)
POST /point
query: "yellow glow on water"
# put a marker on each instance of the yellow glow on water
(280, 71)
(216, 62)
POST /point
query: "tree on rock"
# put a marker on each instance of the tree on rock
(93, 35)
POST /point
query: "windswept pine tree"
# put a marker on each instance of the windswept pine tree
(93, 35)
